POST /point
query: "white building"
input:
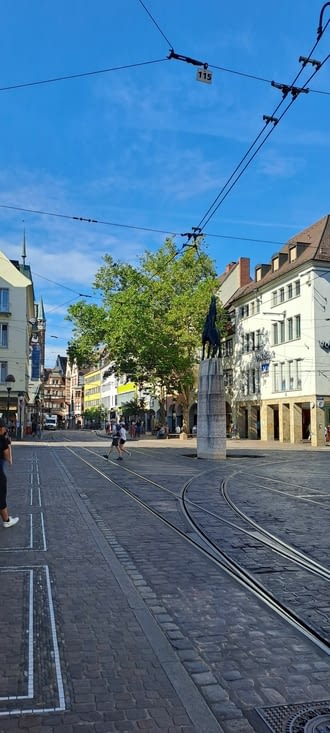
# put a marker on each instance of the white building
(276, 355)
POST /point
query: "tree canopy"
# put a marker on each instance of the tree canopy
(151, 318)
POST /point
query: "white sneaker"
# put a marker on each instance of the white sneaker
(11, 522)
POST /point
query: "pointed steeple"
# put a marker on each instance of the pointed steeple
(41, 311)
(24, 248)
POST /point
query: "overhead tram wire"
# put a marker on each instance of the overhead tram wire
(55, 79)
(253, 77)
(155, 23)
(286, 89)
(213, 209)
(169, 232)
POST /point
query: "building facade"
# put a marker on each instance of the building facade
(276, 361)
(20, 353)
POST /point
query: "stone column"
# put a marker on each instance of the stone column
(211, 411)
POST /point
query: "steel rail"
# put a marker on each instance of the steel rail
(212, 552)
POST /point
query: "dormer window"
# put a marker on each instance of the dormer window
(293, 254)
(275, 263)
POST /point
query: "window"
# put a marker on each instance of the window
(3, 371)
(275, 377)
(258, 340)
(290, 329)
(282, 375)
(228, 347)
(282, 331)
(275, 333)
(297, 287)
(298, 373)
(4, 335)
(291, 375)
(252, 340)
(297, 327)
(293, 254)
(252, 308)
(289, 291)
(274, 297)
(4, 300)
(228, 378)
(281, 295)
(257, 375)
(258, 305)
(253, 381)
(247, 342)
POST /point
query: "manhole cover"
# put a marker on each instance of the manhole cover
(310, 717)
(321, 724)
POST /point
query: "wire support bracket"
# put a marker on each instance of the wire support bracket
(304, 60)
(270, 118)
(195, 233)
(289, 89)
(187, 59)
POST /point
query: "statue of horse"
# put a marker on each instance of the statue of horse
(211, 334)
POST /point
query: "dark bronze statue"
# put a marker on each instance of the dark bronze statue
(211, 334)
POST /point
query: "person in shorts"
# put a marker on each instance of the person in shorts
(122, 441)
(115, 440)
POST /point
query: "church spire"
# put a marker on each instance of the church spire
(24, 248)
(41, 311)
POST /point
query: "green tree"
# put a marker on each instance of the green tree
(96, 415)
(134, 409)
(151, 318)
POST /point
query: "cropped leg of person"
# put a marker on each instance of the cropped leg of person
(122, 449)
(6, 519)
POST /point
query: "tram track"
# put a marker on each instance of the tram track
(184, 523)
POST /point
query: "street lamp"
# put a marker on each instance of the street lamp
(10, 379)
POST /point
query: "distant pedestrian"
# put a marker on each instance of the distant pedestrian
(122, 441)
(138, 429)
(5, 456)
(115, 440)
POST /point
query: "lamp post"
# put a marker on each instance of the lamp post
(10, 379)
(37, 405)
(20, 426)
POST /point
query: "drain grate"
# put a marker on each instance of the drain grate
(309, 717)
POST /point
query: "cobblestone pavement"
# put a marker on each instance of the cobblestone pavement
(113, 622)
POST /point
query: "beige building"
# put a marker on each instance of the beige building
(20, 359)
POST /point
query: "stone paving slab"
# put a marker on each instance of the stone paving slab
(151, 636)
(116, 669)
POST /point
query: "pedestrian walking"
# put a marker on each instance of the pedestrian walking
(5, 456)
(122, 441)
(115, 440)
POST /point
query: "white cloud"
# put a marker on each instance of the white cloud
(279, 165)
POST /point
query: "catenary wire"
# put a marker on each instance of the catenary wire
(155, 23)
(169, 231)
(218, 200)
(80, 75)
(213, 208)
(257, 78)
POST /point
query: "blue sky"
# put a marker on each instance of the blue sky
(150, 146)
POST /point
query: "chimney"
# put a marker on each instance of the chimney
(244, 271)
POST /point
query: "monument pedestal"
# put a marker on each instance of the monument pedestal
(211, 411)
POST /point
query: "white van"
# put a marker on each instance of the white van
(50, 422)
